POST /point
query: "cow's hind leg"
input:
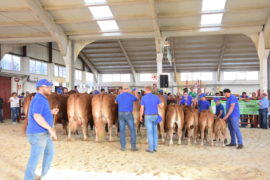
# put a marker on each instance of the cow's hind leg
(110, 126)
(179, 129)
(171, 134)
(84, 128)
(202, 135)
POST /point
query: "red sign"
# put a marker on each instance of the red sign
(16, 79)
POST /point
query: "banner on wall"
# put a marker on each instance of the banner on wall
(246, 108)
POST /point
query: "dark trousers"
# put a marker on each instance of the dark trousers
(263, 118)
(1, 115)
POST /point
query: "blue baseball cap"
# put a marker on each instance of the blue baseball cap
(43, 82)
(134, 89)
(96, 92)
(216, 99)
(161, 90)
(202, 95)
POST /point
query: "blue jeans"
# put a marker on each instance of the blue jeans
(233, 126)
(41, 144)
(14, 113)
(1, 116)
(127, 118)
(263, 118)
(244, 121)
(151, 126)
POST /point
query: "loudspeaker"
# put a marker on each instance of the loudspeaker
(164, 81)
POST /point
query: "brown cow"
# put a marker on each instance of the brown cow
(104, 112)
(174, 116)
(26, 105)
(59, 101)
(191, 123)
(206, 122)
(220, 130)
(79, 113)
(136, 112)
(162, 113)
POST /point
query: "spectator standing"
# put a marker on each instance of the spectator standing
(244, 118)
(263, 111)
(15, 107)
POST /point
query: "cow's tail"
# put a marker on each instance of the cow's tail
(100, 124)
(73, 122)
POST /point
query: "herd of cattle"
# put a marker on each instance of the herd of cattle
(82, 109)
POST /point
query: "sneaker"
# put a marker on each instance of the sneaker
(230, 144)
(240, 146)
(147, 150)
(155, 150)
(134, 149)
(14, 122)
(123, 149)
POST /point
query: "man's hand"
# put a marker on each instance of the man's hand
(55, 111)
(141, 119)
(52, 133)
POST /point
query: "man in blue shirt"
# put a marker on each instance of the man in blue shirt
(233, 115)
(186, 99)
(39, 130)
(149, 108)
(203, 103)
(125, 102)
(219, 108)
(263, 111)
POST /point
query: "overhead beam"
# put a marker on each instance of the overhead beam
(113, 35)
(85, 5)
(128, 60)
(266, 33)
(199, 13)
(16, 40)
(55, 30)
(220, 60)
(90, 65)
(214, 31)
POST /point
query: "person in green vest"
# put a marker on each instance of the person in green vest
(192, 93)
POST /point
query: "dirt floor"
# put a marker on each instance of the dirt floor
(79, 159)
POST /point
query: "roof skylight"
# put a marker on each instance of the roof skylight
(101, 11)
(207, 19)
(94, 1)
(210, 5)
(108, 25)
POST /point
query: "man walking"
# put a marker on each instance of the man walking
(39, 130)
(233, 115)
(263, 111)
(125, 102)
(149, 107)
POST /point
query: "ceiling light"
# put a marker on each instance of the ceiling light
(101, 11)
(108, 25)
(207, 19)
(208, 5)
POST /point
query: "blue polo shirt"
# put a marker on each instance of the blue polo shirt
(188, 101)
(219, 108)
(203, 105)
(236, 111)
(125, 102)
(39, 105)
(150, 102)
(265, 103)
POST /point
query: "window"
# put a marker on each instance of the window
(78, 75)
(89, 77)
(116, 77)
(146, 77)
(210, 5)
(249, 75)
(59, 71)
(252, 75)
(194, 76)
(38, 67)
(11, 62)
